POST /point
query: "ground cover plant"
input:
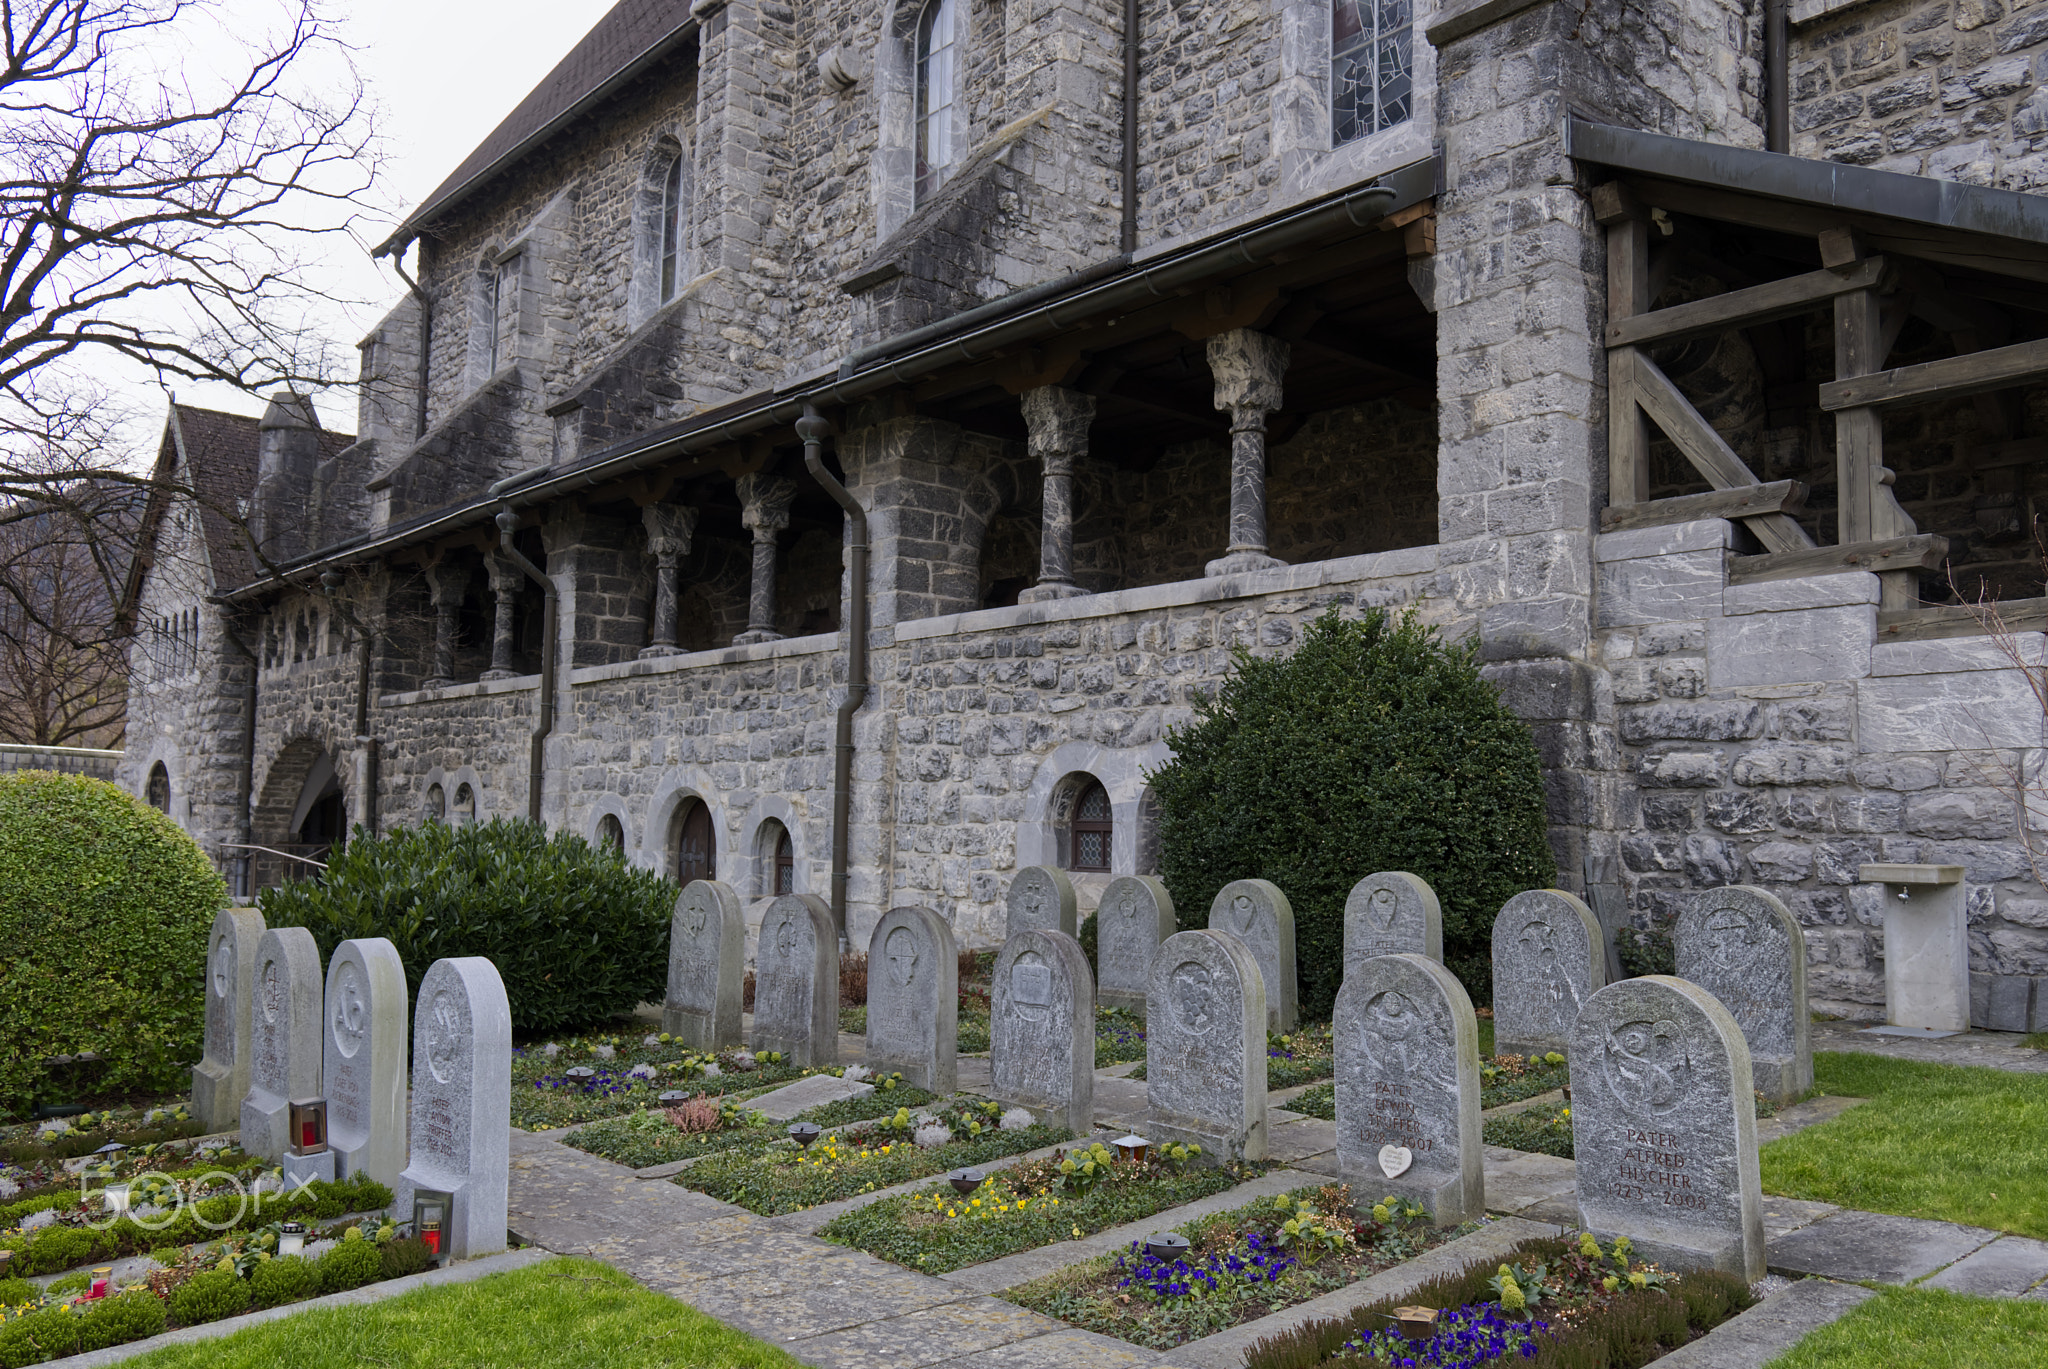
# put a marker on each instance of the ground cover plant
(1375, 745)
(705, 1124)
(1502, 1080)
(628, 1073)
(29, 1144)
(1547, 1128)
(105, 906)
(1061, 1197)
(1119, 1037)
(1556, 1303)
(785, 1179)
(1875, 1156)
(1301, 1056)
(579, 936)
(1242, 1265)
(1925, 1328)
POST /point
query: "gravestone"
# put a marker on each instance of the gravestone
(284, 1037)
(707, 952)
(1041, 898)
(220, 1081)
(1134, 916)
(462, 1103)
(914, 999)
(1205, 1047)
(1042, 1029)
(1407, 1059)
(1547, 961)
(1664, 1126)
(1392, 913)
(796, 981)
(1745, 948)
(364, 1058)
(1258, 914)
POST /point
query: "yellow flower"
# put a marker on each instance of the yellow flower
(1077, 1233)
(951, 1213)
(977, 1202)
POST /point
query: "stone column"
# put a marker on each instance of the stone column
(1248, 368)
(505, 581)
(764, 509)
(446, 580)
(669, 527)
(1058, 421)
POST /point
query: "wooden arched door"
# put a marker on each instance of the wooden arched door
(696, 846)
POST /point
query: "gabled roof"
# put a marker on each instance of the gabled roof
(633, 36)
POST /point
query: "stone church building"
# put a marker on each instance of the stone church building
(827, 447)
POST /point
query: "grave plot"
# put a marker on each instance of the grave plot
(1302, 1056)
(1035, 1203)
(1502, 1080)
(700, 1124)
(582, 1079)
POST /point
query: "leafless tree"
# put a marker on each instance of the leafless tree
(63, 680)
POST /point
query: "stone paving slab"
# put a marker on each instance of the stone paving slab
(1291, 1136)
(1800, 1116)
(824, 1289)
(783, 1104)
(1518, 1180)
(2007, 1268)
(1119, 1102)
(933, 1335)
(570, 1201)
(1782, 1216)
(1870, 1246)
(1995, 1050)
(1770, 1328)
(1067, 1348)
(996, 1275)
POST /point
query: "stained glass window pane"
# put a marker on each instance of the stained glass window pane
(1372, 66)
(938, 54)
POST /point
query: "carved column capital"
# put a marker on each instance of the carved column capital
(669, 529)
(1249, 368)
(1057, 419)
(505, 577)
(446, 582)
(765, 503)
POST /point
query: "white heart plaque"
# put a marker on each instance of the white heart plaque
(1394, 1160)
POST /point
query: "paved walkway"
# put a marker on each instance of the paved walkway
(1995, 1050)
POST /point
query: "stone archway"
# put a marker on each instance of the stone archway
(303, 812)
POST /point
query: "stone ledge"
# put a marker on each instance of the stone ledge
(696, 660)
(1702, 534)
(476, 689)
(1805, 12)
(1458, 20)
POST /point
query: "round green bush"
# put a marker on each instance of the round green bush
(277, 1282)
(404, 1255)
(1374, 746)
(38, 1337)
(70, 1283)
(579, 936)
(105, 908)
(131, 1316)
(350, 1264)
(210, 1296)
(18, 1292)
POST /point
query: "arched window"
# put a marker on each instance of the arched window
(938, 88)
(611, 833)
(465, 805)
(696, 844)
(673, 211)
(437, 804)
(1090, 830)
(785, 864)
(1372, 66)
(158, 794)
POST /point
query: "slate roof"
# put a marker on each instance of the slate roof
(631, 37)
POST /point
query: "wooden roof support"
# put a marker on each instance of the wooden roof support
(1709, 454)
(1739, 308)
(1745, 501)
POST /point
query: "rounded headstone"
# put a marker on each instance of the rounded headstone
(1664, 1126)
(796, 981)
(1040, 898)
(914, 999)
(284, 1037)
(462, 1102)
(1258, 914)
(221, 1078)
(1407, 1082)
(1392, 913)
(1042, 1028)
(1745, 948)
(1133, 918)
(707, 950)
(1205, 1046)
(363, 1047)
(1548, 959)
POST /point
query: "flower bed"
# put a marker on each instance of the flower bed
(627, 1076)
(1301, 1056)
(1506, 1079)
(784, 1179)
(1119, 1037)
(1557, 1303)
(658, 1136)
(29, 1146)
(1062, 1197)
(1242, 1265)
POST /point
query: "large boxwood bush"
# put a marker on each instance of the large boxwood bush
(578, 935)
(1374, 746)
(105, 906)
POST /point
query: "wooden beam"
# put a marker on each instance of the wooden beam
(1923, 551)
(1960, 620)
(1709, 454)
(1613, 204)
(2021, 451)
(1758, 304)
(1628, 294)
(1841, 247)
(1780, 496)
(1950, 378)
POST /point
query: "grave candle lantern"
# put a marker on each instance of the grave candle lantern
(1167, 1245)
(291, 1240)
(429, 1215)
(803, 1133)
(965, 1181)
(1131, 1147)
(117, 1199)
(308, 1126)
(1416, 1323)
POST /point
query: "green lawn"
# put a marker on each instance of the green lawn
(1925, 1328)
(564, 1314)
(1958, 1143)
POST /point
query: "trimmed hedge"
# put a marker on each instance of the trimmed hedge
(105, 906)
(1374, 746)
(578, 935)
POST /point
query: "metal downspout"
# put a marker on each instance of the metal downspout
(508, 521)
(1127, 238)
(419, 425)
(813, 430)
(1777, 76)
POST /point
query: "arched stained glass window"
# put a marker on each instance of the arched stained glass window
(159, 792)
(785, 864)
(673, 210)
(1372, 66)
(1091, 829)
(938, 87)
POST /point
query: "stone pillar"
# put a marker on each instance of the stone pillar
(1248, 368)
(1058, 420)
(764, 509)
(669, 527)
(505, 581)
(446, 580)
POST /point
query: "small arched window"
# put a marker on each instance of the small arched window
(938, 88)
(785, 863)
(158, 793)
(611, 833)
(465, 806)
(1372, 66)
(673, 212)
(1090, 830)
(696, 844)
(437, 804)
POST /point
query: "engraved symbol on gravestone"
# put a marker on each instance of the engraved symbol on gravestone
(1245, 911)
(901, 950)
(786, 938)
(696, 912)
(1733, 938)
(1383, 908)
(222, 968)
(1031, 987)
(1193, 997)
(1538, 941)
(1648, 1068)
(444, 1035)
(1129, 906)
(1397, 1033)
(273, 992)
(349, 1011)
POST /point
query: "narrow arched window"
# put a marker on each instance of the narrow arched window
(672, 212)
(437, 804)
(611, 833)
(785, 864)
(1090, 831)
(938, 87)
(159, 793)
(465, 805)
(1372, 66)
